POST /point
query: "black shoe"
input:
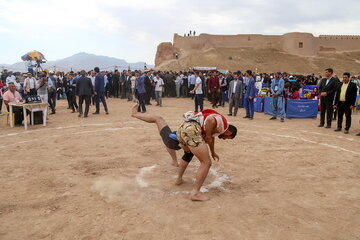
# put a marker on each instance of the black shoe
(320, 125)
(337, 130)
(272, 118)
(346, 131)
(96, 113)
(358, 134)
(328, 126)
(230, 114)
(281, 120)
(85, 116)
(246, 117)
(107, 113)
(250, 118)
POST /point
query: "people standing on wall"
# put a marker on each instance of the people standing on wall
(345, 102)
(327, 89)
(214, 89)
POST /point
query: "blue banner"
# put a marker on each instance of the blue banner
(268, 105)
(302, 109)
(309, 88)
(258, 104)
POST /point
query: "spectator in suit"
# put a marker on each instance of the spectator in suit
(99, 91)
(345, 101)
(327, 89)
(140, 92)
(250, 95)
(235, 94)
(84, 89)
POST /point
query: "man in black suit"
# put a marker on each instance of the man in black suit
(327, 89)
(84, 89)
(345, 101)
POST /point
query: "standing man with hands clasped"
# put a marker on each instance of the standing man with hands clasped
(235, 94)
(345, 101)
(278, 104)
(327, 88)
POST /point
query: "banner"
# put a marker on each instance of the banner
(309, 88)
(268, 105)
(302, 109)
(258, 104)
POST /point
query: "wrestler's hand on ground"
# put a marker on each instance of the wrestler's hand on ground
(215, 156)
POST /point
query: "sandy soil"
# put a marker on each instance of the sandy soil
(108, 177)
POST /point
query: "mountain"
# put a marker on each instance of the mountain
(81, 61)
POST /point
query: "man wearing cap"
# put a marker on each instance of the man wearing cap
(84, 89)
(278, 104)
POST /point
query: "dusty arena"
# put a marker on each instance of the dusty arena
(109, 177)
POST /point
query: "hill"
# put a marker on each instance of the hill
(81, 61)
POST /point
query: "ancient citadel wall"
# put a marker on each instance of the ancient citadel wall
(304, 44)
(204, 41)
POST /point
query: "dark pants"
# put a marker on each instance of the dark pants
(116, 90)
(185, 91)
(141, 98)
(52, 98)
(32, 92)
(199, 102)
(87, 99)
(214, 96)
(326, 107)
(191, 88)
(147, 95)
(249, 106)
(222, 97)
(19, 115)
(51, 103)
(98, 98)
(1, 101)
(72, 99)
(344, 108)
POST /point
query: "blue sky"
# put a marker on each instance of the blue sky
(131, 30)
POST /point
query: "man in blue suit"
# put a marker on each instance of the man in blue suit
(278, 103)
(99, 91)
(250, 95)
(140, 91)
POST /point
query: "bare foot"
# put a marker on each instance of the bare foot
(198, 197)
(134, 110)
(179, 181)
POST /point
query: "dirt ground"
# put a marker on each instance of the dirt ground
(108, 177)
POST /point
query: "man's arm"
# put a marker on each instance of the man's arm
(209, 139)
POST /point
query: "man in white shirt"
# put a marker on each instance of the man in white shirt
(159, 83)
(30, 85)
(198, 93)
(10, 79)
